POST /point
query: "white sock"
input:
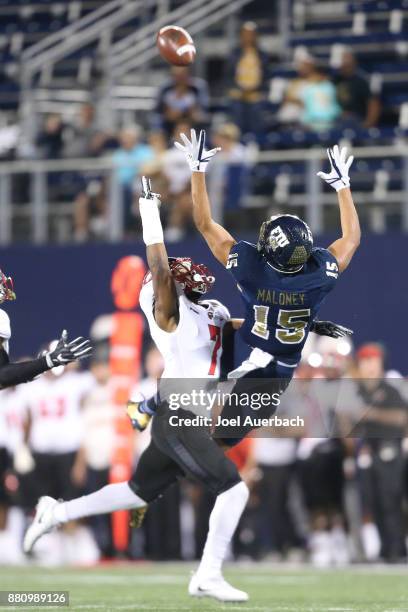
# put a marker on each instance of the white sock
(118, 496)
(224, 519)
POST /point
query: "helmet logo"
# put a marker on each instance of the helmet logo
(278, 238)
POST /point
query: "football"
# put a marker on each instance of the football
(176, 46)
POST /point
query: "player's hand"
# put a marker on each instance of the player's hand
(66, 352)
(194, 150)
(333, 330)
(338, 177)
(148, 197)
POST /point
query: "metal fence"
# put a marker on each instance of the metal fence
(39, 207)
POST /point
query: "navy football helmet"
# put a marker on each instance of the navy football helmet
(286, 242)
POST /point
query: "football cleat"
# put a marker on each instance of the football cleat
(140, 420)
(217, 588)
(43, 522)
(137, 517)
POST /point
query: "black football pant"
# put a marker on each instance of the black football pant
(178, 451)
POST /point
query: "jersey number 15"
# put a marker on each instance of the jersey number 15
(293, 324)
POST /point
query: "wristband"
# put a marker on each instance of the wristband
(344, 183)
(151, 223)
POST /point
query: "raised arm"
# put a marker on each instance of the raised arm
(344, 248)
(217, 237)
(166, 312)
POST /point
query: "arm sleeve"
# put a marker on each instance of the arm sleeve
(12, 374)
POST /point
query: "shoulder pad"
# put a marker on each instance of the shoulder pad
(218, 306)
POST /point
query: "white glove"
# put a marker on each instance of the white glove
(149, 204)
(194, 150)
(338, 177)
(23, 461)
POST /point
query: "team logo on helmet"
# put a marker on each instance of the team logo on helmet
(6, 288)
(286, 242)
(193, 277)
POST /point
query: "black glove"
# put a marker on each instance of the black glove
(66, 352)
(327, 328)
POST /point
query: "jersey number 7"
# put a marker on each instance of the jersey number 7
(215, 335)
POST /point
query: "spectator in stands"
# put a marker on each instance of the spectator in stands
(357, 103)
(128, 160)
(248, 73)
(291, 108)
(90, 208)
(318, 98)
(178, 177)
(227, 178)
(84, 138)
(50, 139)
(182, 98)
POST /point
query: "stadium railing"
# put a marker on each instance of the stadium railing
(375, 189)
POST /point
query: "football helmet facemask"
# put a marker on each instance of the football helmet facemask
(195, 279)
(286, 242)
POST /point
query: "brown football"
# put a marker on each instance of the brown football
(176, 46)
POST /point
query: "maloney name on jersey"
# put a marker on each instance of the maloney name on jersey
(280, 307)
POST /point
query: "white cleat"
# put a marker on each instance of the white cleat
(218, 588)
(43, 522)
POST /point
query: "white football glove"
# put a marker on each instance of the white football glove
(194, 150)
(338, 177)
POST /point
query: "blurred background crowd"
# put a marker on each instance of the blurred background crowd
(86, 108)
(331, 492)
(274, 84)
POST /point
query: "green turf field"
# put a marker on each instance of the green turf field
(162, 587)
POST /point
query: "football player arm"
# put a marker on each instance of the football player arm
(217, 237)
(344, 248)
(166, 312)
(12, 374)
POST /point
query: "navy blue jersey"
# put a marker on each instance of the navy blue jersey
(280, 308)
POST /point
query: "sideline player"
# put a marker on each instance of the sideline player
(283, 279)
(12, 374)
(187, 331)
